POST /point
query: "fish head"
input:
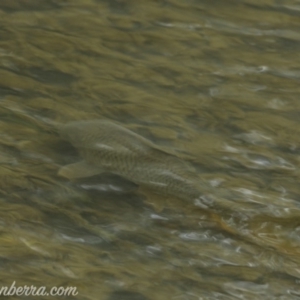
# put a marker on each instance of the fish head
(83, 133)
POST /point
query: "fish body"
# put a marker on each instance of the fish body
(109, 147)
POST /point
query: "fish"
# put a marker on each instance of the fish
(106, 146)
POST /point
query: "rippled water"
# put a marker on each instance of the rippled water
(216, 83)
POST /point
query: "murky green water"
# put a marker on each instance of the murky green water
(216, 82)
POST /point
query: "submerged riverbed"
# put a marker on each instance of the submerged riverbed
(214, 83)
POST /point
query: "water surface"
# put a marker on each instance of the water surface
(216, 83)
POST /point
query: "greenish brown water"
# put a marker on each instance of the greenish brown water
(216, 83)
